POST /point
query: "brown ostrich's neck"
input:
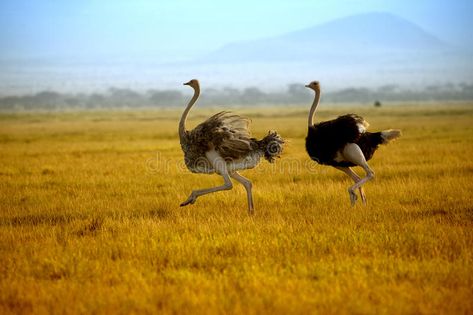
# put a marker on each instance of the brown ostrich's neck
(182, 123)
(314, 107)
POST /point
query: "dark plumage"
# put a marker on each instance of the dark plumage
(368, 143)
(325, 139)
(344, 142)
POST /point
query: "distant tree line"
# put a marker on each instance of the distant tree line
(293, 95)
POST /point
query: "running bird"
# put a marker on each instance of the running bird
(222, 144)
(343, 143)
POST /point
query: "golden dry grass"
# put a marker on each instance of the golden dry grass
(90, 222)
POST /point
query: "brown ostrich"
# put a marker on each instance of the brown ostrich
(223, 145)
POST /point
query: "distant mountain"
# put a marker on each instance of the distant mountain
(371, 49)
(361, 35)
(366, 50)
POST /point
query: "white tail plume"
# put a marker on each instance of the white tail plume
(391, 134)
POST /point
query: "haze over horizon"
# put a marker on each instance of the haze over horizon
(92, 45)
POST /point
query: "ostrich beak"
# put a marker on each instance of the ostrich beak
(307, 85)
(187, 83)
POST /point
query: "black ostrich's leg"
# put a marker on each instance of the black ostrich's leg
(353, 153)
(355, 178)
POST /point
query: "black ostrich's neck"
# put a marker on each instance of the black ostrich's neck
(314, 107)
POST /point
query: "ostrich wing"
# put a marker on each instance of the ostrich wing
(227, 133)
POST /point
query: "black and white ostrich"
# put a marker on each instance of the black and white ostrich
(343, 143)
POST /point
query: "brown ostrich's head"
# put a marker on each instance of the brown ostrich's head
(314, 85)
(194, 83)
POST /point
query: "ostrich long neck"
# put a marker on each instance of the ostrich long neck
(182, 123)
(314, 106)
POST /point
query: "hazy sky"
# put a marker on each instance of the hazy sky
(183, 28)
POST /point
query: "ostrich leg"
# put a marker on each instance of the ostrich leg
(355, 178)
(247, 184)
(220, 167)
(353, 153)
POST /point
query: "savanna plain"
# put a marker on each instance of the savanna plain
(90, 221)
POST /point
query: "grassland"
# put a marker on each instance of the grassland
(90, 220)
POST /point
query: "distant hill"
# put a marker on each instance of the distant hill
(371, 49)
(366, 50)
(365, 34)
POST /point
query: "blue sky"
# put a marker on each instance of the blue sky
(183, 29)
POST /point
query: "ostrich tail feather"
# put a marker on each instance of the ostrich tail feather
(390, 135)
(272, 145)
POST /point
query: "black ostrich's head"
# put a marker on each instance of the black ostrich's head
(194, 83)
(314, 85)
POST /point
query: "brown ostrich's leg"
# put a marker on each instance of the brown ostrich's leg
(247, 184)
(220, 167)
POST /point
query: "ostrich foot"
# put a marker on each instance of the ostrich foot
(353, 197)
(363, 197)
(189, 200)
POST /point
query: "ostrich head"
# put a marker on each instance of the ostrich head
(314, 85)
(194, 83)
